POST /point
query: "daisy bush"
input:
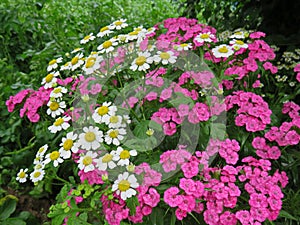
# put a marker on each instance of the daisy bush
(164, 124)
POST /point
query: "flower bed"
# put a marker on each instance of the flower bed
(164, 124)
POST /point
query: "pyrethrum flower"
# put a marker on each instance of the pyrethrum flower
(104, 31)
(106, 161)
(183, 47)
(86, 162)
(102, 113)
(87, 38)
(42, 150)
(54, 156)
(205, 37)
(55, 108)
(237, 44)
(76, 61)
(60, 123)
(50, 80)
(58, 92)
(118, 25)
(240, 35)
(37, 175)
(92, 63)
(115, 136)
(22, 175)
(142, 62)
(115, 122)
(123, 156)
(91, 138)
(125, 185)
(53, 64)
(68, 145)
(222, 51)
(107, 46)
(165, 57)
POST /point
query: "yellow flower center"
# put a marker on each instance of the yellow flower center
(107, 158)
(134, 33)
(204, 36)
(102, 110)
(90, 136)
(54, 155)
(107, 44)
(87, 160)
(140, 60)
(223, 49)
(238, 33)
(90, 62)
(125, 154)
(104, 29)
(165, 55)
(118, 23)
(184, 45)
(114, 133)
(59, 122)
(57, 90)
(239, 42)
(49, 77)
(113, 119)
(87, 37)
(53, 61)
(54, 106)
(75, 60)
(41, 150)
(37, 174)
(68, 144)
(22, 175)
(38, 166)
(124, 185)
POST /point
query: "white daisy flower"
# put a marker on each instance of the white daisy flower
(102, 113)
(106, 161)
(54, 156)
(115, 136)
(118, 25)
(205, 37)
(123, 156)
(138, 33)
(183, 47)
(42, 150)
(91, 138)
(125, 185)
(92, 63)
(60, 123)
(39, 166)
(239, 35)
(107, 46)
(86, 161)
(126, 120)
(58, 92)
(123, 38)
(77, 61)
(22, 175)
(104, 31)
(87, 38)
(115, 122)
(37, 175)
(165, 57)
(66, 66)
(222, 51)
(151, 30)
(142, 62)
(68, 145)
(237, 44)
(76, 50)
(55, 108)
(53, 64)
(50, 80)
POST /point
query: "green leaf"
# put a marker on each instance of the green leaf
(218, 131)
(173, 219)
(13, 221)
(141, 129)
(156, 217)
(132, 203)
(7, 206)
(285, 214)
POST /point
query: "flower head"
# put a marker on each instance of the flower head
(90, 138)
(125, 185)
(22, 175)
